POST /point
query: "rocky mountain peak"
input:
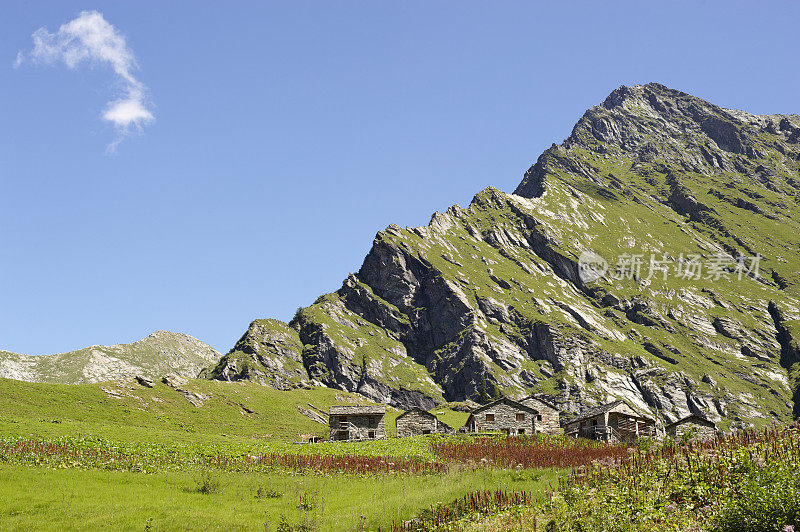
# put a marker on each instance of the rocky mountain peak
(637, 94)
(656, 129)
(166, 334)
(489, 300)
(631, 114)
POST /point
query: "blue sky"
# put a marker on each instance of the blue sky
(285, 135)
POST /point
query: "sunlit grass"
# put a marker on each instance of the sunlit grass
(44, 498)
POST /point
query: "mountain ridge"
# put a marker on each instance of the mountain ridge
(156, 355)
(492, 299)
(489, 299)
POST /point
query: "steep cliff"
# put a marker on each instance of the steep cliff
(691, 212)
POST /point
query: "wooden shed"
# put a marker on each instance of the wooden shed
(611, 423)
(418, 421)
(693, 426)
(348, 423)
(503, 415)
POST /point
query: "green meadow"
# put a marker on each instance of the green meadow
(64, 499)
(122, 456)
(231, 412)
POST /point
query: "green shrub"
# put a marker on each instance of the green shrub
(766, 500)
(205, 482)
(262, 492)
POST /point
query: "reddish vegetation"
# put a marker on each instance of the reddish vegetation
(532, 452)
(96, 455)
(339, 464)
(79, 453)
(706, 456)
(594, 464)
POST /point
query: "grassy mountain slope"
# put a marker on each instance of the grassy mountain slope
(489, 299)
(243, 413)
(159, 354)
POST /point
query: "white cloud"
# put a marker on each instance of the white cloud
(128, 110)
(89, 38)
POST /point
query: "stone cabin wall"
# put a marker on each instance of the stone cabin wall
(361, 427)
(548, 420)
(505, 418)
(413, 423)
(695, 428)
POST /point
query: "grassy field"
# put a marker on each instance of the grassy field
(58, 499)
(122, 456)
(125, 457)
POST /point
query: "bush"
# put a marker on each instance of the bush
(205, 482)
(766, 500)
(262, 492)
(748, 481)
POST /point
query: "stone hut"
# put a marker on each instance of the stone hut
(611, 423)
(693, 426)
(503, 415)
(350, 423)
(418, 421)
(548, 418)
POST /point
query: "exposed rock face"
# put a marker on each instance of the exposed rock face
(269, 352)
(144, 381)
(313, 415)
(788, 329)
(176, 382)
(160, 353)
(489, 300)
